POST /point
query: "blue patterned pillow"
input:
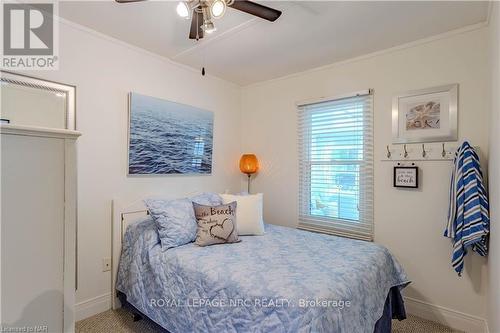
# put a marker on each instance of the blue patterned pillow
(207, 199)
(175, 219)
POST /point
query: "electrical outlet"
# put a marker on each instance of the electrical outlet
(106, 264)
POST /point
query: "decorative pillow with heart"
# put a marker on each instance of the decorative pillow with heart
(216, 224)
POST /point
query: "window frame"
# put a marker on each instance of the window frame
(331, 225)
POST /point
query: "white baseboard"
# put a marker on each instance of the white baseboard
(93, 306)
(451, 318)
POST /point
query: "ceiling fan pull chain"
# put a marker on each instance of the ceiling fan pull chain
(197, 40)
(204, 62)
(197, 28)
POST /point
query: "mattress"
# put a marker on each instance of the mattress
(287, 280)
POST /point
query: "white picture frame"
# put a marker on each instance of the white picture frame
(426, 115)
(33, 84)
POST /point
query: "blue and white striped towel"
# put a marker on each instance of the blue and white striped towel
(468, 214)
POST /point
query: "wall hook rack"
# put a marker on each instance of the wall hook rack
(437, 151)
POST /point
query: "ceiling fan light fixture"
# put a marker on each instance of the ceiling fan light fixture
(209, 27)
(200, 12)
(183, 10)
(218, 8)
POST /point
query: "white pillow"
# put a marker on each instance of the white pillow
(248, 213)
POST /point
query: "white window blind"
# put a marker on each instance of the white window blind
(336, 166)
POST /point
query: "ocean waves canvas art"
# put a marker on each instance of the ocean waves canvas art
(168, 138)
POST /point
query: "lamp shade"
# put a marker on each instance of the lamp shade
(249, 164)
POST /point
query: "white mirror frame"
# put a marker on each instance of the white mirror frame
(33, 82)
(452, 134)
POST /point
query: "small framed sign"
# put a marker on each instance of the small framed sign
(406, 176)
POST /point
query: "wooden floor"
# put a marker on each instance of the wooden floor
(122, 321)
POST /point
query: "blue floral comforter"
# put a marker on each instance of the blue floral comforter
(284, 281)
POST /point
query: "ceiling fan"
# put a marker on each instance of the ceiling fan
(201, 13)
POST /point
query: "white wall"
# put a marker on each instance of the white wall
(494, 176)
(104, 71)
(410, 223)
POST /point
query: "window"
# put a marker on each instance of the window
(198, 151)
(336, 166)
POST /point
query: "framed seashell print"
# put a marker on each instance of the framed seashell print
(426, 115)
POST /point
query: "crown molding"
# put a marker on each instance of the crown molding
(397, 48)
(138, 49)
(252, 22)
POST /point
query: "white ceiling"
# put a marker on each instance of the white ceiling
(245, 49)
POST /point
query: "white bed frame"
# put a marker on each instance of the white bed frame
(123, 214)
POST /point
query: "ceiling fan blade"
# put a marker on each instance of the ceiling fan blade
(196, 23)
(127, 1)
(267, 13)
